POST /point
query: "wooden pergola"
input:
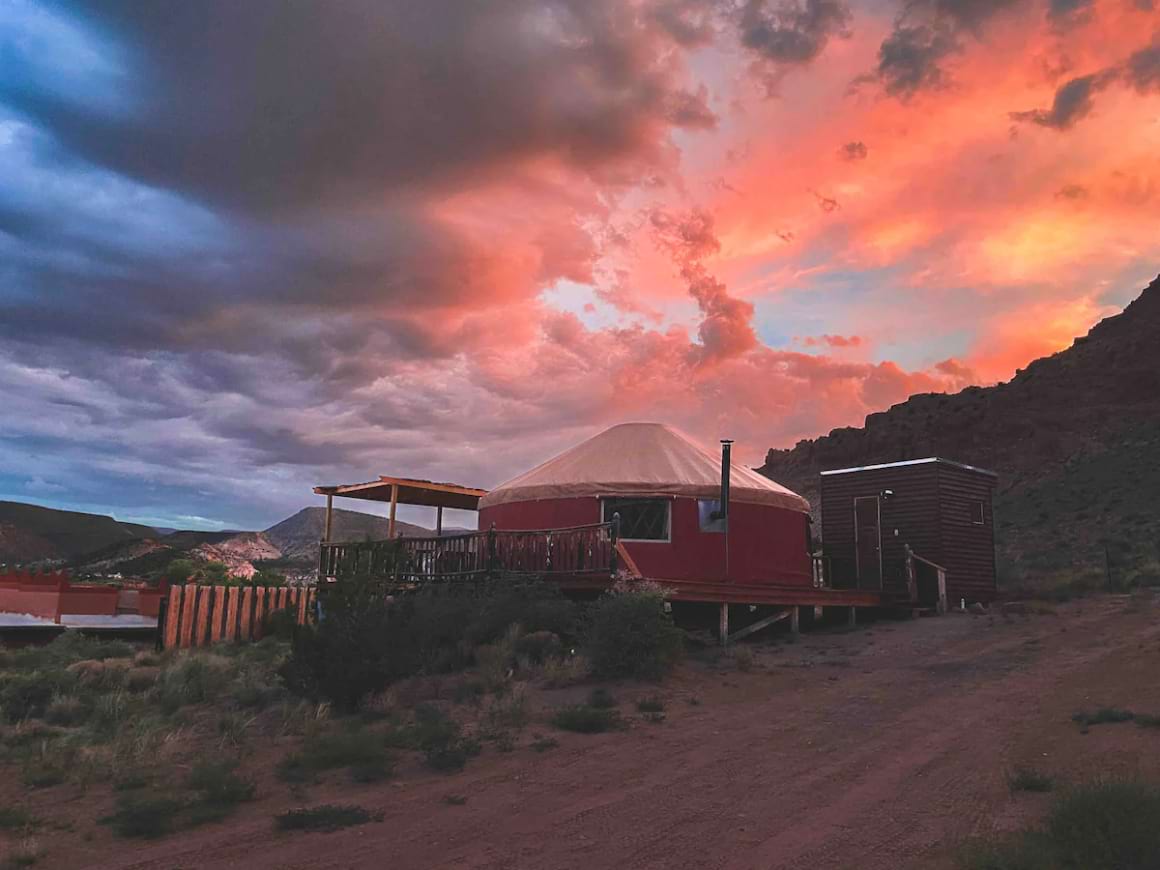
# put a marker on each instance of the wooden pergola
(404, 490)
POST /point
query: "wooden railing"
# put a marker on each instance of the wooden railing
(577, 550)
(923, 588)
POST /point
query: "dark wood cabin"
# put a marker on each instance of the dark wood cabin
(940, 509)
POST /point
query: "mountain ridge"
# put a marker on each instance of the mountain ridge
(1074, 437)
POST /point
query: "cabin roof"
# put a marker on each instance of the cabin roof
(906, 462)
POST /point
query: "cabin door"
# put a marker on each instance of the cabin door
(868, 541)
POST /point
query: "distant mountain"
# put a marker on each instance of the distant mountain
(31, 533)
(298, 536)
(1074, 437)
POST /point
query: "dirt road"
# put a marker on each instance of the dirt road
(878, 748)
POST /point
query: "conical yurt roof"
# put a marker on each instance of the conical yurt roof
(640, 459)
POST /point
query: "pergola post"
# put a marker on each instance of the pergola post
(329, 518)
(439, 521)
(394, 503)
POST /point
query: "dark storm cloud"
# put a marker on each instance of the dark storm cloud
(1069, 11)
(926, 34)
(267, 105)
(229, 232)
(1076, 98)
(792, 33)
(1072, 102)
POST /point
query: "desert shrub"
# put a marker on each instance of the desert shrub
(328, 817)
(1103, 716)
(543, 744)
(534, 606)
(25, 695)
(742, 658)
(497, 660)
(193, 679)
(363, 753)
(1146, 720)
(651, 704)
(441, 739)
(67, 711)
(601, 698)
(468, 692)
(539, 646)
(144, 816)
(558, 672)
(1105, 826)
(15, 818)
(219, 790)
(509, 712)
(630, 635)
(26, 853)
(280, 624)
(1027, 779)
(587, 720)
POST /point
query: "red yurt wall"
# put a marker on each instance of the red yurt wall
(767, 545)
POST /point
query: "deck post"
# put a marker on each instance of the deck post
(724, 624)
(394, 502)
(439, 521)
(795, 625)
(853, 617)
(942, 591)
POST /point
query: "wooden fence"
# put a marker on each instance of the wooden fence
(200, 615)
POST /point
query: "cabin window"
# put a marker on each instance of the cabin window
(641, 519)
(709, 515)
(977, 513)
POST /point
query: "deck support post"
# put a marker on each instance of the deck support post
(326, 528)
(439, 521)
(795, 621)
(853, 617)
(394, 502)
(942, 591)
(724, 624)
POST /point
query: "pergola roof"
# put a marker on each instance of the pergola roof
(410, 491)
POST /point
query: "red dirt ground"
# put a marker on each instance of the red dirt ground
(878, 748)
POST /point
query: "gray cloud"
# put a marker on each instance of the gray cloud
(853, 151)
(926, 34)
(790, 33)
(1072, 102)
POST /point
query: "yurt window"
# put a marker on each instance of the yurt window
(641, 519)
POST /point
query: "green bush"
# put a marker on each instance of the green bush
(539, 646)
(1026, 779)
(328, 817)
(364, 753)
(192, 680)
(281, 623)
(144, 816)
(630, 635)
(587, 720)
(441, 739)
(27, 695)
(1103, 716)
(1106, 826)
(601, 698)
(346, 656)
(652, 704)
(219, 790)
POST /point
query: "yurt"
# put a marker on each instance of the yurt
(666, 489)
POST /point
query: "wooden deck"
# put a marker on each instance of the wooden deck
(581, 559)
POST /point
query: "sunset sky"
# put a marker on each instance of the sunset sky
(247, 247)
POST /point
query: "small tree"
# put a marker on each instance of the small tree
(181, 570)
(346, 656)
(630, 635)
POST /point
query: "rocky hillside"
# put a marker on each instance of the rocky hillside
(298, 536)
(1075, 438)
(31, 533)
